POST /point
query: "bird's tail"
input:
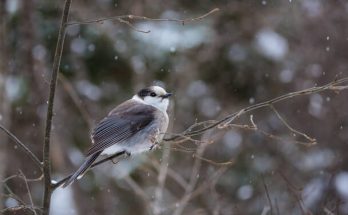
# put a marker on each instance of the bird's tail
(82, 170)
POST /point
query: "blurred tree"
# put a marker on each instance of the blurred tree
(248, 52)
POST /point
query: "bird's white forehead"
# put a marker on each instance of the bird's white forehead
(159, 90)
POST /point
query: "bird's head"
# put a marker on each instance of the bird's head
(155, 96)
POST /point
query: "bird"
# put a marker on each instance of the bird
(135, 126)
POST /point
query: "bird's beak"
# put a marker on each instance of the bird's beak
(167, 95)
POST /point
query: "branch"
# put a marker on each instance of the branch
(310, 139)
(207, 183)
(59, 183)
(127, 18)
(28, 190)
(171, 173)
(68, 87)
(162, 175)
(193, 180)
(24, 147)
(334, 85)
(53, 83)
(267, 195)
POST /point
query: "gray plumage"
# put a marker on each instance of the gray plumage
(134, 126)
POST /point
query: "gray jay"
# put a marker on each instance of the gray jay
(134, 126)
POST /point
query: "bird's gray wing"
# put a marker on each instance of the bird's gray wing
(121, 124)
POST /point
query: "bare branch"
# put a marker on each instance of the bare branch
(18, 209)
(171, 173)
(268, 195)
(334, 85)
(53, 83)
(295, 191)
(193, 180)
(209, 182)
(73, 95)
(24, 147)
(310, 139)
(28, 190)
(11, 194)
(133, 27)
(162, 175)
(122, 19)
(140, 192)
(59, 183)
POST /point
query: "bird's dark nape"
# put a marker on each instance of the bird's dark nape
(83, 168)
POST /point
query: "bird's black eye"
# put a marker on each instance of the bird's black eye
(153, 94)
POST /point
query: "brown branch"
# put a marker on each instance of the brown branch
(334, 85)
(133, 27)
(28, 190)
(75, 98)
(11, 194)
(171, 173)
(46, 147)
(162, 175)
(209, 182)
(267, 195)
(17, 210)
(24, 147)
(122, 19)
(59, 183)
(310, 139)
(139, 191)
(193, 180)
(296, 192)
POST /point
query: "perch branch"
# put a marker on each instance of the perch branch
(59, 183)
(127, 18)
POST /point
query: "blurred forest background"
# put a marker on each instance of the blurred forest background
(248, 52)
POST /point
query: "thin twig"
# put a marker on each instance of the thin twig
(193, 180)
(9, 178)
(24, 147)
(162, 175)
(215, 163)
(16, 209)
(310, 139)
(209, 182)
(230, 118)
(75, 98)
(13, 195)
(139, 191)
(134, 17)
(171, 173)
(59, 183)
(133, 27)
(5, 180)
(28, 190)
(53, 83)
(277, 206)
(295, 192)
(267, 194)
